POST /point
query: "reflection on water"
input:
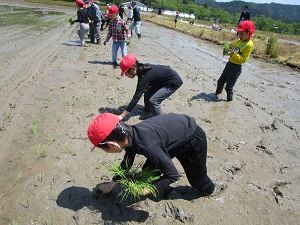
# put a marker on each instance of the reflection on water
(10, 15)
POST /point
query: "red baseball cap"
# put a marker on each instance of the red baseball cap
(246, 25)
(113, 9)
(101, 127)
(126, 63)
(79, 2)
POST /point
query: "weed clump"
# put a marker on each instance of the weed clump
(272, 47)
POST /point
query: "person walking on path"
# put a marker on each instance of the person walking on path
(156, 82)
(239, 54)
(159, 139)
(82, 18)
(94, 14)
(119, 31)
(136, 24)
(245, 15)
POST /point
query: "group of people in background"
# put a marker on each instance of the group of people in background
(160, 137)
(92, 20)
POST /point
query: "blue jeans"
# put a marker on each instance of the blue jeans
(115, 47)
(153, 97)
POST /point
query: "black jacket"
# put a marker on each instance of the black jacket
(155, 138)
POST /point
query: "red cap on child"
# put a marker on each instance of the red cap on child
(246, 25)
(113, 9)
(126, 63)
(101, 127)
(80, 3)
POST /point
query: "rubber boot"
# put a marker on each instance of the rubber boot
(139, 35)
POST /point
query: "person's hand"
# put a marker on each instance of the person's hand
(120, 117)
(104, 42)
(106, 187)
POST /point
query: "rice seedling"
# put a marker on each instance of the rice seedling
(33, 129)
(59, 117)
(134, 182)
(225, 49)
(48, 220)
(98, 164)
(15, 222)
(17, 179)
(41, 151)
(21, 153)
(71, 151)
(2, 128)
(68, 168)
(6, 117)
(26, 198)
(45, 104)
(41, 177)
(37, 120)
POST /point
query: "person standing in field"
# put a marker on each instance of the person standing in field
(94, 14)
(176, 17)
(82, 18)
(136, 24)
(119, 31)
(245, 15)
(238, 55)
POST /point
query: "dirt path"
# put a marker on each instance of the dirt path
(51, 89)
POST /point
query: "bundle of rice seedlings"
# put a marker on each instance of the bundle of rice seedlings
(225, 49)
(133, 182)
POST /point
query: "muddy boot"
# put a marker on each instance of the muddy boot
(139, 35)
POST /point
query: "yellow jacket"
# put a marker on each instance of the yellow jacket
(241, 52)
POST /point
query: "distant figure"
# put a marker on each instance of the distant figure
(82, 18)
(121, 10)
(176, 17)
(129, 15)
(136, 24)
(245, 15)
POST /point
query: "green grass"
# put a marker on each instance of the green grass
(133, 182)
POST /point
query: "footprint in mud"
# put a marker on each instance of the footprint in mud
(278, 195)
(272, 127)
(233, 168)
(178, 213)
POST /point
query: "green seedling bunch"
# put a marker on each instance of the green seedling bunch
(70, 21)
(133, 182)
(225, 49)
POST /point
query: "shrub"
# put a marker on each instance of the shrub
(272, 46)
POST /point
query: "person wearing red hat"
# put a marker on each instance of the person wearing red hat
(159, 139)
(156, 82)
(119, 31)
(82, 18)
(238, 55)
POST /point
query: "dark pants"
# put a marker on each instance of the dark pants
(154, 96)
(229, 76)
(95, 32)
(192, 157)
